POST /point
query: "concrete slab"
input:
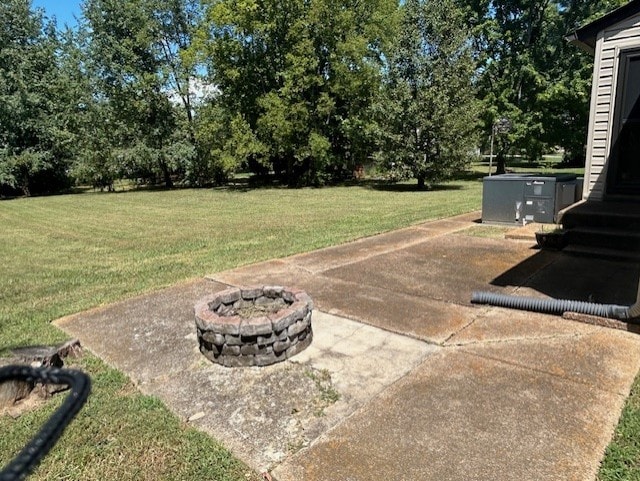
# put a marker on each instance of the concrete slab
(361, 359)
(325, 259)
(595, 280)
(147, 337)
(414, 316)
(439, 270)
(495, 324)
(496, 395)
(263, 272)
(460, 416)
(446, 226)
(261, 414)
(386, 308)
(601, 359)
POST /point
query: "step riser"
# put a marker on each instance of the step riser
(610, 241)
(630, 223)
(607, 229)
(619, 255)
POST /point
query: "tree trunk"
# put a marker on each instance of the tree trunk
(168, 183)
(289, 171)
(421, 183)
(501, 164)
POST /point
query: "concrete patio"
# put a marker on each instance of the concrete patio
(428, 386)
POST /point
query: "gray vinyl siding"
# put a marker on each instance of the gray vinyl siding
(623, 35)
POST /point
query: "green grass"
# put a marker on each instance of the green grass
(64, 254)
(622, 458)
(487, 232)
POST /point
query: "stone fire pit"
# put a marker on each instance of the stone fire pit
(254, 326)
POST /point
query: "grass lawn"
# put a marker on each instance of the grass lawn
(65, 254)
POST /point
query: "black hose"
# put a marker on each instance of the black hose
(30, 456)
(551, 306)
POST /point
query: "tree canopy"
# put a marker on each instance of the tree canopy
(529, 74)
(189, 92)
(34, 147)
(298, 77)
(427, 109)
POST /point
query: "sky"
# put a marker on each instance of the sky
(63, 10)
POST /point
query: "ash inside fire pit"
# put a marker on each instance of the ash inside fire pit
(254, 326)
(255, 310)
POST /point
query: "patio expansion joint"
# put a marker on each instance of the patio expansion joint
(482, 311)
(452, 230)
(329, 278)
(361, 407)
(364, 322)
(535, 370)
(513, 340)
(291, 260)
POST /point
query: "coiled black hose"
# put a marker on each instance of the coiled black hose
(46, 438)
(551, 306)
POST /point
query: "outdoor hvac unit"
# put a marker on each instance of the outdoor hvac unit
(525, 198)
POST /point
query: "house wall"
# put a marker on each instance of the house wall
(621, 36)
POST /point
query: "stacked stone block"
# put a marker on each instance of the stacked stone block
(229, 339)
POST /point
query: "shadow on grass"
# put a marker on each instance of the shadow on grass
(250, 183)
(470, 176)
(386, 186)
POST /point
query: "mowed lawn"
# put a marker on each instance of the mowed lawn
(64, 254)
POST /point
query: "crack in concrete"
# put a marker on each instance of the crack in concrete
(542, 371)
(515, 340)
(482, 312)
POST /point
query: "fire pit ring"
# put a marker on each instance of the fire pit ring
(254, 326)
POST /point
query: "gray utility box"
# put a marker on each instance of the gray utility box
(525, 198)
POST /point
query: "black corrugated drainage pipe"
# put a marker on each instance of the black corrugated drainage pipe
(558, 306)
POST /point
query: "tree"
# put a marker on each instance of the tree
(177, 22)
(531, 76)
(135, 58)
(514, 40)
(34, 141)
(300, 74)
(427, 109)
(565, 102)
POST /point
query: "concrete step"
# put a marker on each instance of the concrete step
(605, 237)
(602, 252)
(614, 215)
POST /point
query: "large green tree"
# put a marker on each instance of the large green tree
(298, 76)
(531, 76)
(134, 58)
(515, 43)
(34, 142)
(427, 108)
(565, 101)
